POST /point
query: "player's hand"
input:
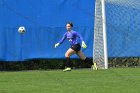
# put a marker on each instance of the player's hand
(84, 45)
(56, 45)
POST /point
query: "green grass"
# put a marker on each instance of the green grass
(115, 80)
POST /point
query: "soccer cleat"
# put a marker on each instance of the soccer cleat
(94, 66)
(67, 69)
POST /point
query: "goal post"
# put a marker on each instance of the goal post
(100, 55)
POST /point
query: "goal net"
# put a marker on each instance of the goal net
(116, 30)
(100, 48)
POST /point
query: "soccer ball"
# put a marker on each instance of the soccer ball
(21, 29)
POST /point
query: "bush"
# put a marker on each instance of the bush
(45, 64)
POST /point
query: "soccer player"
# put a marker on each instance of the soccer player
(75, 48)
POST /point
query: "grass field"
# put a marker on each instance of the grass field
(114, 80)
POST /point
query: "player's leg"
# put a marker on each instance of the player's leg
(86, 59)
(68, 61)
(81, 55)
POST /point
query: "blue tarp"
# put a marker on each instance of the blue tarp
(45, 22)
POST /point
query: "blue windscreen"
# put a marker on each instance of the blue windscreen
(45, 22)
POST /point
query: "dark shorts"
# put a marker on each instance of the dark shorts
(76, 47)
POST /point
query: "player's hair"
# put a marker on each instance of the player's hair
(71, 24)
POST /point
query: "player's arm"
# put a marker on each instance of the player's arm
(81, 38)
(61, 41)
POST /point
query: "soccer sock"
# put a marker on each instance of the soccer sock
(89, 61)
(68, 62)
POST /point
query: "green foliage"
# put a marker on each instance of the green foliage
(44, 64)
(40, 64)
(124, 62)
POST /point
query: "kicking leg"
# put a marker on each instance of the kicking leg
(86, 59)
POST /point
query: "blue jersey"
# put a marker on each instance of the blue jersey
(71, 36)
